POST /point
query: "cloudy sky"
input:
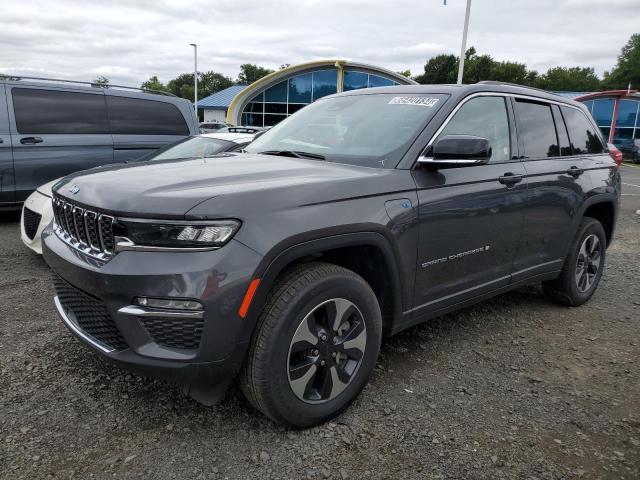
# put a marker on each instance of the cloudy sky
(128, 41)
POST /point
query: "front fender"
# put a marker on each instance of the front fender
(286, 253)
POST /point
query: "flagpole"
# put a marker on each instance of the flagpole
(463, 48)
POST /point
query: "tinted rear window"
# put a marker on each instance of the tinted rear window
(54, 112)
(536, 129)
(583, 136)
(135, 116)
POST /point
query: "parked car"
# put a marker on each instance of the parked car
(286, 265)
(51, 128)
(37, 211)
(211, 127)
(630, 148)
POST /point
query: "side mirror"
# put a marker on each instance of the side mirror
(453, 151)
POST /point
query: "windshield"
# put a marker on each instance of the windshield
(372, 130)
(192, 147)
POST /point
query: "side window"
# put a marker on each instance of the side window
(561, 128)
(57, 112)
(536, 130)
(484, 117)
(135, 116)
(583, 136)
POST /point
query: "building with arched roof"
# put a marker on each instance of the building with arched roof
(280, 94)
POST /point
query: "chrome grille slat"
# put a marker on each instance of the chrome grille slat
(68, 221)
(78, 223)
(90, 224)
(105, 231)
(86, 230)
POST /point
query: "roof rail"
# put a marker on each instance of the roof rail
(498, 82)
(91, 84)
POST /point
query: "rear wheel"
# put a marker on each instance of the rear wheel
(315, 345)
(583, 267)
(636, 157)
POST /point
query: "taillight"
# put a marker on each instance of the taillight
(615, 154)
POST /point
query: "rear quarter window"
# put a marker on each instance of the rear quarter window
(136, 116)
(39, 111)
(582, 134)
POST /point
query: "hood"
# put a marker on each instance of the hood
(47, 187)
(171, 189)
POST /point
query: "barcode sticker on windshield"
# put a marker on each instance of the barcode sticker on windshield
(422, 101)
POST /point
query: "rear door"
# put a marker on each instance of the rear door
(470, 217)
(55, 132)
(6, 157)
(556, 187)
(140, 124)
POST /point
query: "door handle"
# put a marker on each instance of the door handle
(510, 179)
(575, 171)
(30, 140)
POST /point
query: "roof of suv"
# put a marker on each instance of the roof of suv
(75, 84)
(459, 91)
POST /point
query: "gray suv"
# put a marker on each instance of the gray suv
(50, 128)
(361, 215)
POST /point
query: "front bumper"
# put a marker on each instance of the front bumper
(41, 205)
(95, 301)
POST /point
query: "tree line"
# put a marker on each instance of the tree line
(442, 69)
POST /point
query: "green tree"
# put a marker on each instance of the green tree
(442, 68)
(579, 79)
(182, 86)
(405, 73)
(208, 83)
(154, 84)
(249, 73)
(627, 70)
(101, 81)
(212, 82)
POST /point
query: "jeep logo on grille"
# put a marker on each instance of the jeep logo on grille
(75, 189)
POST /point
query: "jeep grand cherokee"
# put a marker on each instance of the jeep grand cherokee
(361, 215)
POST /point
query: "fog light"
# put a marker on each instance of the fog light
(168, 303)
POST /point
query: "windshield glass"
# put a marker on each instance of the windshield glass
(193, 147)
(372, 130)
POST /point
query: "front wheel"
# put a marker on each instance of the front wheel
(315, 345)
(582, 268)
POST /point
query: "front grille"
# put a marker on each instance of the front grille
(85, 229)
(174, 333)
(31, 222)
(90, 313)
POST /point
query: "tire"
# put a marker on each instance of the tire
(580, 275)
(275, 378)
(635, 158)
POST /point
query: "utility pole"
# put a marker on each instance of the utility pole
(195, 77)
(463, 48)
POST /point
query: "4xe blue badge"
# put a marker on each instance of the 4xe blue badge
(75, 189)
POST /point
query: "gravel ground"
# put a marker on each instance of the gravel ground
(516, 387)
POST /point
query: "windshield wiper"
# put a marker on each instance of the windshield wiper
(294, 153)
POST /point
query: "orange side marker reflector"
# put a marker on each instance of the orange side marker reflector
(246, 301)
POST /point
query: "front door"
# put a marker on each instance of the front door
(56, 132)
(470, 217)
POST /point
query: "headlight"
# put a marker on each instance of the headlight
(207, 234)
